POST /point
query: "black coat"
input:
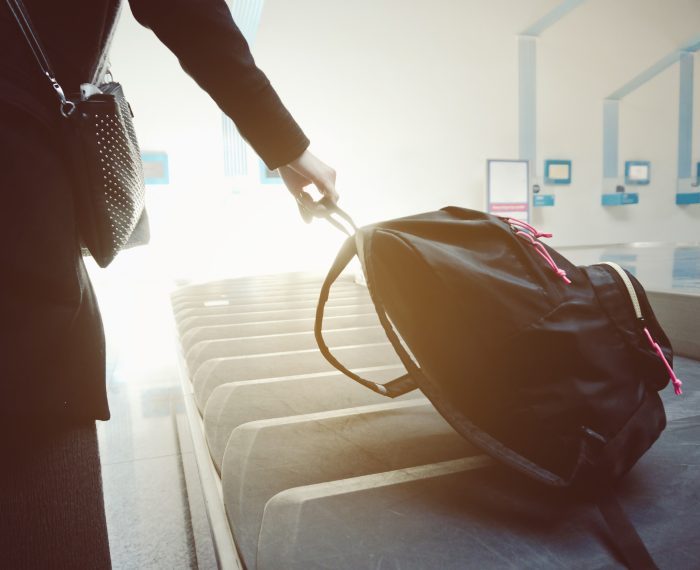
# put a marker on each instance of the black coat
(51, 339)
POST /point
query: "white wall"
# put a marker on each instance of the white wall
(583, 59)
(409, 99)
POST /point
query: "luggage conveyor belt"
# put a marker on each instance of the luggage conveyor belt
(670, 273)
(303, 468)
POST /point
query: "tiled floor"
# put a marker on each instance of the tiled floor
(148, 514)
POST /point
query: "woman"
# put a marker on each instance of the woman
(52, 356)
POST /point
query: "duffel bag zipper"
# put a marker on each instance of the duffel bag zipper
(638, 312)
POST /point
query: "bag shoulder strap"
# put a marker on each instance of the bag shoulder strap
(19, 11)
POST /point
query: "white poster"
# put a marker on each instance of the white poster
(508, 192)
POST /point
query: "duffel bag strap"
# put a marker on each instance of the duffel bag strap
(392, 389)
(623, 533)
(616, 457)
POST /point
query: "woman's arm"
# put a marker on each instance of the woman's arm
(211, 49)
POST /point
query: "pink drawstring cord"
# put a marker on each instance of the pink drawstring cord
(528, 227)
(543, 252)
(531, 236)
(655, 345)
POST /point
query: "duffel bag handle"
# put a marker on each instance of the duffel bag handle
(326, 209)
(398, 386)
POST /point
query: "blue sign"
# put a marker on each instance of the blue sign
(155, 167)
(540, 200)
(620, 199)
(685, 198)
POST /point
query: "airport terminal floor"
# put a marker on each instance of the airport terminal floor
(234, 444)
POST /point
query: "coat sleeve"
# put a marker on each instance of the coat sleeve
(211, 49)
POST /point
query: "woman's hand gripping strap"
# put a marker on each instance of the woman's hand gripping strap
(325, 208)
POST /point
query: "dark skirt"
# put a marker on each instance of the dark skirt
(51, 504)
(52, 351)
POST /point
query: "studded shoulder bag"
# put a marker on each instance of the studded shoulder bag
(104, 153)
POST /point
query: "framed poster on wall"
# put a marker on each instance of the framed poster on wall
(557, 172)
(508, 188)
(638, 172)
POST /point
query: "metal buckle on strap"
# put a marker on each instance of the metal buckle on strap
(67, 107)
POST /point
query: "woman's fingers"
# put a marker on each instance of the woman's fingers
(317, 172)
(306, 170)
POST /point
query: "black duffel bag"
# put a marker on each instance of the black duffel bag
(548, 367)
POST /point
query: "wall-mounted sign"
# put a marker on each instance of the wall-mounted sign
(155, 167)
(543, 200)
(637, 172)
(620, 199)
(507, 188)
(687, 198)
(557, 172)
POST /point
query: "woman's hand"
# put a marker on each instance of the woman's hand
(306, 170)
